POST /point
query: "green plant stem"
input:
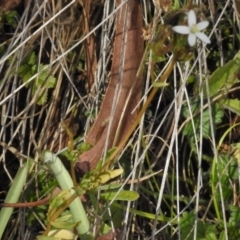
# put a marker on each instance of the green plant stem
(70, 148)
(215, 203)
(65, 182)
(13, 196)
(146, 214)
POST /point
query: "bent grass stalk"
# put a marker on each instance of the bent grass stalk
(65, 182)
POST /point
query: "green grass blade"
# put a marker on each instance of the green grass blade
(12, 197)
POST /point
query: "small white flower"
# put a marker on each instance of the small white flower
(193, 29)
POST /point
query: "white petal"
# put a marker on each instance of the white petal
(191, 18)
(203, 37)
(202, 25)
(192, 39)
(181, 29)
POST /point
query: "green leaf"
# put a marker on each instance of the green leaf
(234, 217)
(57, 201)
(146, 214)
(11, 18)
(223, 78)
(63, 225)
(205, 231)
(111, 186)
(43, 98)
(105, 176)
(64, 218)
(13, 196)
(83, 147)
(211, 232)
(106, 229)
(122, 195)
(32, 59)
(25, 72)
(117, 215)
(45, 79)
(42, 82)
(58, 235)
(217, 115)
(233, 105)
(48, 238)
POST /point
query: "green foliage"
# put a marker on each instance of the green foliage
(72, 155)
(9, 17)
(42, 82)
(65, 221)
(205, 231)
(223, 78)
(204, 126)
(176, 4)
(233, 223)
(232, 105)
(224, 174)
(92, 181)
(45, 185)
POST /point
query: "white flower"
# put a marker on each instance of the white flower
(193, 29)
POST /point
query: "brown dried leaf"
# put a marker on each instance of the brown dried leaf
(130, 87)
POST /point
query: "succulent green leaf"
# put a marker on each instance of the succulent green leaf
(122, 195)
(223, 78)
(63, 224)
(111, 186)
(110, 174)
(233, 105)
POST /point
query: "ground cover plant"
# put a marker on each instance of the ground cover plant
(119, 119)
